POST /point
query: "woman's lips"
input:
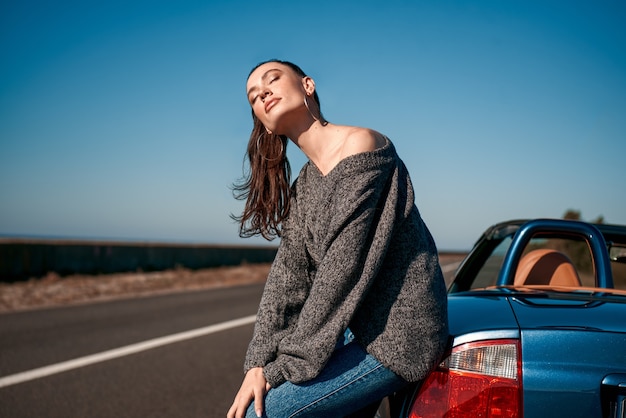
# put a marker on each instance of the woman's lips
(270, 104)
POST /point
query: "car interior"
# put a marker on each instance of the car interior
(547, 261)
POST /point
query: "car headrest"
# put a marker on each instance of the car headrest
(546, 267)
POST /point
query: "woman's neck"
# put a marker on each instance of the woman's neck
(321, 144)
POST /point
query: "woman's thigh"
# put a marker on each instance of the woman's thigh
(351, 380)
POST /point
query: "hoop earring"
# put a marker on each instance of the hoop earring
(306, 104)
(280, 155)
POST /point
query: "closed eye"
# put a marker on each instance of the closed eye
(269, 77)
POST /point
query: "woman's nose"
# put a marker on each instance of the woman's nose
(266, 92)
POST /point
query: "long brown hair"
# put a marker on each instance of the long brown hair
(266, 182)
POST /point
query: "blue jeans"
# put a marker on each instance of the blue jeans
(351, 380)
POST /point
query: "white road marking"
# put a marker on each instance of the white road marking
(121, 352)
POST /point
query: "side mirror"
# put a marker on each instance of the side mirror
(617, 252)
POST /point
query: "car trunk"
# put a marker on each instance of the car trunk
(574, 364)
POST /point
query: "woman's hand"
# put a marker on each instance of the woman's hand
(254, 387)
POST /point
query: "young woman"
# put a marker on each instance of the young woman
(354, 307)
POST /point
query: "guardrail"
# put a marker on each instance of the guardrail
(24, 259)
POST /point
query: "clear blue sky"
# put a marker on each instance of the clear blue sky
(128, 119)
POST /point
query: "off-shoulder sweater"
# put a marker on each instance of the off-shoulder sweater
(354, 253)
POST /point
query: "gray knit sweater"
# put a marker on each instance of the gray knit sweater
(354, 253)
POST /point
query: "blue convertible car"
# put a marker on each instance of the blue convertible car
(538, 321)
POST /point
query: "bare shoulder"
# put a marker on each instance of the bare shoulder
(360, 140)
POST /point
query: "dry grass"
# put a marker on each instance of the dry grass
(53, 290)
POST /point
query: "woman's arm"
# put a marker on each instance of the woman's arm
(283, 295)
(285, 291)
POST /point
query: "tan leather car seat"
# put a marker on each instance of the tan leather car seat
(546, 267)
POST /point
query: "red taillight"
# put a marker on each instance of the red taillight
(482, 379)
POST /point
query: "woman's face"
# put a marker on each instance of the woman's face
(275, 91)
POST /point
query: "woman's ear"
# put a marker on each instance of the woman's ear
(309, 85)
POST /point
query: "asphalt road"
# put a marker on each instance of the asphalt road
(196, 377)
(128, 358)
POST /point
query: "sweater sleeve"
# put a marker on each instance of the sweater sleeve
(357, 227)
(283, 296)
